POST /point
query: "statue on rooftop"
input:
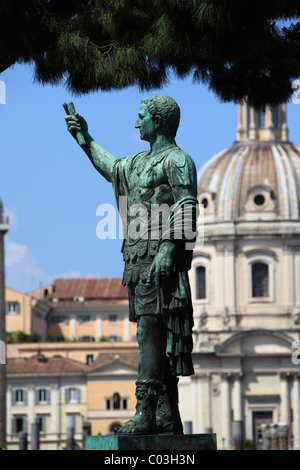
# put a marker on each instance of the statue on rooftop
(157, 255)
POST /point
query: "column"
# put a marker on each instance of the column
(219, 294)
(55, 410)
(226, 410)
(8, 410)
(30, 406)
(202, 412)
(269, 123)
(241, 129)
(98, 326)
(285, 399)
(238, 397)
(296, 411)
(73, 326)
(229, 278)
(297, 274)
(252, 126)
(284, 128)
(288, 279)
(126, 327)
(238, 418)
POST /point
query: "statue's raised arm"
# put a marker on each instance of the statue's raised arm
(78, 128)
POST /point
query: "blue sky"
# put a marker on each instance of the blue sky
(51, 191)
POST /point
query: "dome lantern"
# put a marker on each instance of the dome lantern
(265, 124)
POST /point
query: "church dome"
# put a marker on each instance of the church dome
(258, 178)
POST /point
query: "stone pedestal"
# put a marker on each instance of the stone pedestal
(185, 442)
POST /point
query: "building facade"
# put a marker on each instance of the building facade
(245, 285)
(59, 393)
(88, 310)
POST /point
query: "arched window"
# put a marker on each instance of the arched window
(200, 282)
(116, 401)
(260, 280)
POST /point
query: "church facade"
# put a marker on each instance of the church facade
(245, 283)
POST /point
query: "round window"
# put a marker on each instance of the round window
(204, 202)
(259, 199)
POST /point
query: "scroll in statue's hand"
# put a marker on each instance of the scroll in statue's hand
(76, 124)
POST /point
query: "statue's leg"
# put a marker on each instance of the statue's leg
(151, 340)
(168, 417)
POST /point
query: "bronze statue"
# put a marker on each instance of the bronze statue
(157, 261)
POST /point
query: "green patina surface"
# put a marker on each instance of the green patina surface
(188, 442)
(156, 193)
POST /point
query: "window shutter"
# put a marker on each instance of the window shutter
(67, 395)
(25, 396)
(48, 395)
(78, 395)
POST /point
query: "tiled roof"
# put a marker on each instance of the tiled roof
(131, 359)
(40, 365)
(103, 288)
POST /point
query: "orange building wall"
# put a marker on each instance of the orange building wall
(21, 321)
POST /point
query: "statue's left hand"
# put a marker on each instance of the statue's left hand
(162, 265)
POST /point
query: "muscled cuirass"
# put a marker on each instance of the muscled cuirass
(148, 203)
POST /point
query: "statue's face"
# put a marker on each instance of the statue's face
(146, 124)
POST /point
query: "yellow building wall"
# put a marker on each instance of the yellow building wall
(21, 321)
(98, 391)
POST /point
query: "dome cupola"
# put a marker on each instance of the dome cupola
(258, 178)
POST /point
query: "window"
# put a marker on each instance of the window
(86, 338)
(42, 396)
(89, 359)
(261, 271)
(112, 318)
(60, 319)
(59, 339)
(260, 280)
(73, 395)
(19, 424)
(42, 423)
(73, 421)
(114, 338)
(275, 117)
(12, 308)
(261, 118)
(84, 319)
(19, 396)
(116, 402)
(200, 282)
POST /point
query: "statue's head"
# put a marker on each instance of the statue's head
(167, 109)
